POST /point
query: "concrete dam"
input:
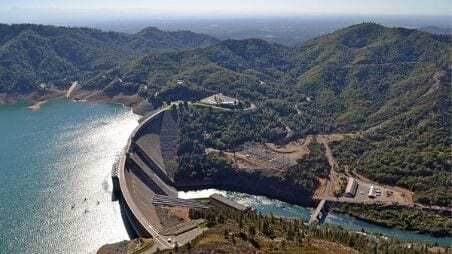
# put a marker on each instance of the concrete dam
(144, 177)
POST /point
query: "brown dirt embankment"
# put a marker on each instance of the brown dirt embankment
(138, 104)
(268, 157)
(37, 105)
(38, 98)
(134, 246)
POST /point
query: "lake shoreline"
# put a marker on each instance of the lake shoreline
(35, 100)
(37, 105)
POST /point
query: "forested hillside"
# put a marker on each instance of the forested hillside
(351, 79)
(35, 54)
(235, 232)
(391, 85)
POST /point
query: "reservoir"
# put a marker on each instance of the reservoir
(55, 171)
(278, 208)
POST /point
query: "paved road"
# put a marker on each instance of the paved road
(316, 213)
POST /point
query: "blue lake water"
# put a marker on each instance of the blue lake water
(282, 209)
(51, 160)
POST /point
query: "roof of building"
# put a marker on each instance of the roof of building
(218, 99)
(351, 185)
(371, 191)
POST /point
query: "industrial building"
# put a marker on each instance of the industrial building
(352, 187)
(372, 193)
(220, 100)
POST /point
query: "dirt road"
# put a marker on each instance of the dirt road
(71, 89)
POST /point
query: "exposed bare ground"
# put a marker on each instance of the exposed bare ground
(294, 150)
(241, 161)
(34, 97)
(99, 96)
(274, 157)
(332, 183)
(140, 245)
(437, 79)
(255, 156)
(320, 192)
(268, 156)
(71, 89)
(400, 195)
(332, 247)
(37, 105)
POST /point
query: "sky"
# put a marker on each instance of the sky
(35, 10)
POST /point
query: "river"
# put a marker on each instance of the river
(50, 161)
(282, 209)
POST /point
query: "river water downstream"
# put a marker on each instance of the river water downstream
(282, 209)
(50, 161)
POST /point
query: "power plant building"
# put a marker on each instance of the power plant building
(352, 187)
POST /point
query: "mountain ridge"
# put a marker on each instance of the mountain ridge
(33, 54)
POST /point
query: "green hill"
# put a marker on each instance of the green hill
(390, 84)
(34, 54)
(354, 78)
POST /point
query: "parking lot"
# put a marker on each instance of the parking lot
(382, 194)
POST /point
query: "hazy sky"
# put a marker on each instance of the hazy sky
(21, 10)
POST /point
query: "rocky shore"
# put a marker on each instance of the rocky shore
(38, 98)
(35, 99)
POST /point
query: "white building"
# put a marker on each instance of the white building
(220, 99)
(352, 187)
(372, 193)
